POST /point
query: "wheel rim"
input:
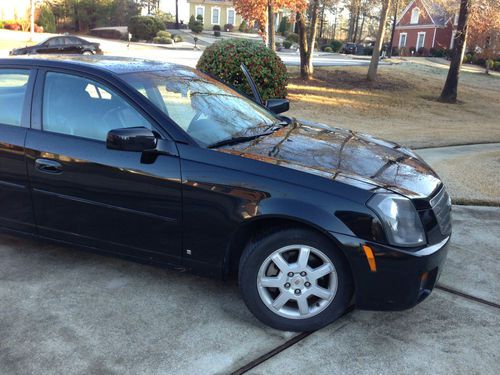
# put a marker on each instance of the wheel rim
(87, 53)
(297, 281)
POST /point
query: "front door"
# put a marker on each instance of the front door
(86, 193)
(15, 96)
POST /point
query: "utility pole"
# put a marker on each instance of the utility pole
(32, 20)
(177, 14)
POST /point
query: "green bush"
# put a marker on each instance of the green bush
(163, 34)
(177, 38)
(336, 45)
(243, 26)
(287, 44)
(144, 27)
(217, 33)
(195, 24)
(223, 59)
(293, 37)
(328, 49)
(216, 28)
(47, 20)
(282, 29)
(162, 40)
(368, 51)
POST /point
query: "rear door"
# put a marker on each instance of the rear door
(86, 193)
(15, 98)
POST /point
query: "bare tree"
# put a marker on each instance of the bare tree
(307, 38)
(271, 32)
(372, 70)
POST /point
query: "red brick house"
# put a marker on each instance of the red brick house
(424, 25)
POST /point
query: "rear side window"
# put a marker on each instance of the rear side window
(81, 107)
(13, 85)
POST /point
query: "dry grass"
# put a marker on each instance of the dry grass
(401, 105)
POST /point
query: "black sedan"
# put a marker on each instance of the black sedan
(60, 45)
(161, 163)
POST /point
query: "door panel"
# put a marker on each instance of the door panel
(15, 92)
(86, 193)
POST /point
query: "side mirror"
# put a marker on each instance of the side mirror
(278, 106)
(131, 139)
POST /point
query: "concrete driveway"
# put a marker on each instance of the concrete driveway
(72, 312)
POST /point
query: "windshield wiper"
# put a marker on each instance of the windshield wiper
(234, 140)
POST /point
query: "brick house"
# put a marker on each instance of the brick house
(424, 25)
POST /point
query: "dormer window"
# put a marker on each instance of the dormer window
(415, 13)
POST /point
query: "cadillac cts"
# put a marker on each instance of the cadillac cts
(161, 163)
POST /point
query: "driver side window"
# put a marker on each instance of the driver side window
(81, 107)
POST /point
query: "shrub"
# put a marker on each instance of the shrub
(216, 28)
(490, 64)
(368, 51)
(287, 44)
(422, 51)
(223, 59)
(177, 38)
(243, 26)
(292, 37)
(336, 45)
(412, 50)
(144, 27)
(47, 20)
(328, 49)
(162, 40)
(217, 33)
(437, 52)
(195, 24)
(228, 27)
(283, 25)
(199, 17)
(395, 51)
(277, 45)
(1, 24)
(163, 34)
(12, 25)
(497, 66)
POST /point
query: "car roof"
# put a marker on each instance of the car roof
(113, 64)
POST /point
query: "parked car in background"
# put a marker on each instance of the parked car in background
(162, 163)
(61, 45)
(350, 48)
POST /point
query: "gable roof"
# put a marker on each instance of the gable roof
(438, 15)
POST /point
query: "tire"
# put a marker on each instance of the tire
(264, 286)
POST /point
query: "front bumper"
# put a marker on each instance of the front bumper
(402, 278)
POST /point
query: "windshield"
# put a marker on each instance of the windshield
(206, 109)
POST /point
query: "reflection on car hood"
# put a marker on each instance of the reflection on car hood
(343, 154)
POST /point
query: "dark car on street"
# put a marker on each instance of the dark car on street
(66, 44)
(164, 164)
(350, 48)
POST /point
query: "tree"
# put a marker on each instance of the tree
(307, 38)
(449, 93)
(263, 11)
(372, 69)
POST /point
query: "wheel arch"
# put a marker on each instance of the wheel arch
(259, 225)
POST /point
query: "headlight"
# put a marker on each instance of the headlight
(402, 225)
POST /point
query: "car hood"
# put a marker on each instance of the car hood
(343, 154)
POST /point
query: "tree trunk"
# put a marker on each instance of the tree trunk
(395, 19)
(356, 25)
(177, 14)
(271, 32)
(372, 70)
(305, 72)
(449, 93)
(361, 29)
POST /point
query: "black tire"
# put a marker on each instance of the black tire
(260, 248)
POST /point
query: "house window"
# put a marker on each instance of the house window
(420, 40)
(215, 16)
(402, 40)
(415, 13)
(200, 11)
(231, 16)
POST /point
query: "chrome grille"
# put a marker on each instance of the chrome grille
(441, 206)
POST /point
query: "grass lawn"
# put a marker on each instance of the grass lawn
(401, 106)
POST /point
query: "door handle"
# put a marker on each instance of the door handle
(48, 166)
